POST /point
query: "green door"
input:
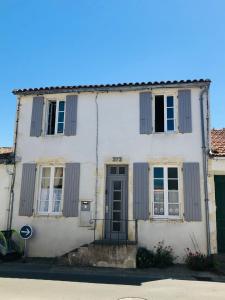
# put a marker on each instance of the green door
(220, 211)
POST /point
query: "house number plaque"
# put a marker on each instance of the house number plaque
(117, 159)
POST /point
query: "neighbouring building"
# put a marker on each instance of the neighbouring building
(123, 162)
(6, 172)
(217, 188)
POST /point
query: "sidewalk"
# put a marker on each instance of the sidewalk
(48, 269)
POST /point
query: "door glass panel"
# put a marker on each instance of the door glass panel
(121, 170)
(116, 205)
(117, 185)
(113, 170)
(116, 226)
(116, 195)
(116, 216)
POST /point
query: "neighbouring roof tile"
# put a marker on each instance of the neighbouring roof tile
(218, 142)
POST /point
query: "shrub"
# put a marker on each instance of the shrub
(144, 258)
(198, 261)
(161, 257)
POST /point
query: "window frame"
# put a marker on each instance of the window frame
(166, 215)
(175, 118)
(50, 212)
(57, 116)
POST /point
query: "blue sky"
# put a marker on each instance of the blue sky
(68, 42)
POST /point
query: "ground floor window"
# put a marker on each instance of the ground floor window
(51, 190)
(166, 191)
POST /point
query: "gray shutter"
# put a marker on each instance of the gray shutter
(71, 115)
(192, 196)
(27, 189)
(145, 102)
(37, 116)
(184, 108)
(71, 190)
(141, 191)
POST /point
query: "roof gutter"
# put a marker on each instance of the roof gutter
(205, 151)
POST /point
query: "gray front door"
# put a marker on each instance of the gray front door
(116, 202)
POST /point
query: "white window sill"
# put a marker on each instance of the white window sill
(39, 214)
(166, 132)
(167, 219)
(53, 135)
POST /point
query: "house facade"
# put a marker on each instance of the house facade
(6, 175)
(217, 189)
(116, 162)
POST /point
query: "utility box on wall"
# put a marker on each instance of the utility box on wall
(85, 213)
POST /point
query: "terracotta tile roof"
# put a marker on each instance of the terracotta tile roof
(6, 155)
(218, 142)
(4, 150)
(99, 87)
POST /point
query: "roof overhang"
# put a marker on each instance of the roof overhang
(113, 87)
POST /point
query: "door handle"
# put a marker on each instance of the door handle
(106, 208)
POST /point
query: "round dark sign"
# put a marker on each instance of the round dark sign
(26, 232)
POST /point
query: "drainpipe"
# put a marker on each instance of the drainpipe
(205, 149)
(11, 200)
(96, 157)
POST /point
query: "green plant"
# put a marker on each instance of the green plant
(161, 257)
(144, 258)
(198, 261)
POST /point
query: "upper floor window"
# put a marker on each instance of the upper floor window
(56, 116)
(166, 192)
(164, 113)
(51, 190)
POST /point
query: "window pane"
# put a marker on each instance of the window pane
(43, 206)
(46, 172)
(56, 206)
(170, 114)
(172, 173)
(117, 185)
(173, 209)
(60, 128)
(117, 195)
(172, 184)
(159, 209)
(51, 117)
(116, 216)
(116, 205)
(59, 172)
(158, 172)
(173, 197)
(116, 226)
(158, 184)
(170, 125)
(57, 191)
(61, 117)
(113, 170)
(170, 101)
(159, 196)
(121, 170)
(61, 105)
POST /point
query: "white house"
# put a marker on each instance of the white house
(130, 157)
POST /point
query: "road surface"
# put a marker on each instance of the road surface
(33, 289)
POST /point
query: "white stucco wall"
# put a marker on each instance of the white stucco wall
(5, 181)
(118, 136)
